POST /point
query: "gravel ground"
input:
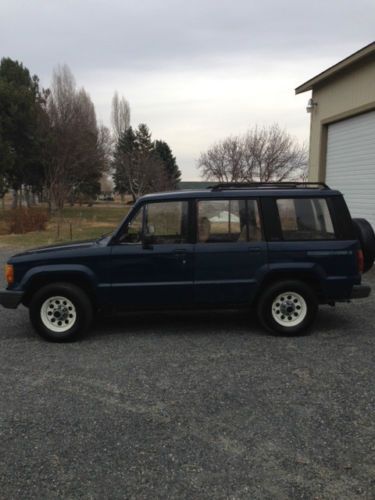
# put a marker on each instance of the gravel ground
(189, 405)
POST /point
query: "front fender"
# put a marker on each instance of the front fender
(56, 270)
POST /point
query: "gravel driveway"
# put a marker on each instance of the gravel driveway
(189, 405)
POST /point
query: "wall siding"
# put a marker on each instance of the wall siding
(347, 93)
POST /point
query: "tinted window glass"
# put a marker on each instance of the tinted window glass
(167, 222)
(164, 223)
(133, 231)
(305, 219)
(225, 221)
(255, 230)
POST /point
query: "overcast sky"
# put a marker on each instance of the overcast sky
(194, 70)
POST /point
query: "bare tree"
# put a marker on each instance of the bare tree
(105, 147)
(272, 154)
(120, 115)
(224, 161)
(62, 115)
(78, 155)
(144, 174)
(262, 154)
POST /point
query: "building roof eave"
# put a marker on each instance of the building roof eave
(336, 68)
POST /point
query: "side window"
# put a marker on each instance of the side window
(133, 231)
(227, 221)
(255, 230)
(166, 222)
(305, 219)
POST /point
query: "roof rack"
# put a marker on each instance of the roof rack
(268, 185)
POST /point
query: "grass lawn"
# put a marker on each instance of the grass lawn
(85, 222)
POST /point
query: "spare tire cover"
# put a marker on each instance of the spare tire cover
(366, 237)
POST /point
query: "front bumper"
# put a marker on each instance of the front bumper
(360, 291)
(10, 299)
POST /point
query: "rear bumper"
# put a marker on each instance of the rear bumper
(10, 299)
(360, 291)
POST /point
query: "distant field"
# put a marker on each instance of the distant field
(85, 223)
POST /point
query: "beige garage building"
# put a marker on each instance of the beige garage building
(342, 134)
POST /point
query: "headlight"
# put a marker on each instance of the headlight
(9, 274)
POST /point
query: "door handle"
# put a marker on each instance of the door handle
(181, 254)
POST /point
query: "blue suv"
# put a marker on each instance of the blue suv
(281, 248)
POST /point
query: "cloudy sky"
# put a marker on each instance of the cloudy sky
(194, 70)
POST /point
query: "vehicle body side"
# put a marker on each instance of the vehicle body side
(211, 273)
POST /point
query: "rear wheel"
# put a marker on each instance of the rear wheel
(288, 307)
(60, 312)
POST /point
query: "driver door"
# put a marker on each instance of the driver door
(152, 260)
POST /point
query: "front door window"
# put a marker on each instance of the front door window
(166, 223)
(133, 233)
(159, 223)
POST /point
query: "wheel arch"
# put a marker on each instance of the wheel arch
(309, 276)
(79, 279)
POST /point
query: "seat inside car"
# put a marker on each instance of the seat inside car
(204, 229)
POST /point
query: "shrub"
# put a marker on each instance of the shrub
(24, 220)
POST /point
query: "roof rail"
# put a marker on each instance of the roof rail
(268, 185)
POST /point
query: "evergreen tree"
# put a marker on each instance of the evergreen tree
(143, 139)
(138, 169)
(6, 163)
(151, 175)
(125, 155)
(20, 137)
(165, 154)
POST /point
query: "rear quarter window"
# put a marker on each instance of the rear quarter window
(305, 219)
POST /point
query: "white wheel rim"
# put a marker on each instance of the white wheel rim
(289, 309)
(58, 314)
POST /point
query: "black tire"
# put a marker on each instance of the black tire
(267, 301)
(81, 305)
(366, 237)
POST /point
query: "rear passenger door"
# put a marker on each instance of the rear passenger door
(229, 251)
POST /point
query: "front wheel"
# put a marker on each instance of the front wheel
(60, 312)
(288, 307)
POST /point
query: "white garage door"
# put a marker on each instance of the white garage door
(351, 163)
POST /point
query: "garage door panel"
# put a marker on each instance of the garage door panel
(350, 143)
(350, 165)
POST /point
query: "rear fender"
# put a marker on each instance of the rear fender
(308, 272)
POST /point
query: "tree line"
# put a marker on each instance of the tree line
(53, 149)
